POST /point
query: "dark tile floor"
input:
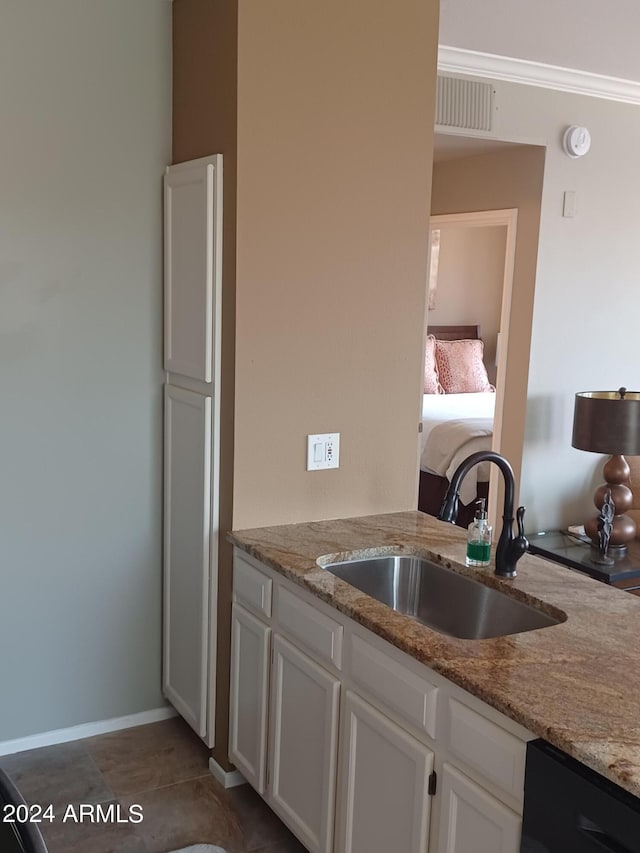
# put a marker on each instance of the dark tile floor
(163, 768)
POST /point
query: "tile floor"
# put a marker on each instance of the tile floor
(162, 767)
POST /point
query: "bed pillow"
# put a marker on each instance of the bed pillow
(431, 383)
(460, 367)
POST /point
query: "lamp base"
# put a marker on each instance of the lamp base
(623, 528)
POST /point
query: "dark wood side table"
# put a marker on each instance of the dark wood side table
(577, 554)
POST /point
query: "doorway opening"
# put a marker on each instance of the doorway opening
(486, 202)
(472, 261)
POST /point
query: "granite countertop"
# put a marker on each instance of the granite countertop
(576, 684)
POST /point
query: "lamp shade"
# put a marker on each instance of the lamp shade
(607, 422)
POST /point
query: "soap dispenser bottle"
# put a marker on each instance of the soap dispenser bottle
(479, 538)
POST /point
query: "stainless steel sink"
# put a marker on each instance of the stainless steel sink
(446, 601)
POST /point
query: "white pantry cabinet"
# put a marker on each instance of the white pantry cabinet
(192, 290)
(187, 431)
(192, 255)
(420, 765)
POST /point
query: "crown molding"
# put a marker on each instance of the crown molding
(457, 60)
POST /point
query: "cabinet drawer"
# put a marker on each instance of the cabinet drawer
(251, 587)
(396, 688)
(314, 630)
(493, 753)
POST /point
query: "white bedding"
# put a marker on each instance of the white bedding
(453, 426)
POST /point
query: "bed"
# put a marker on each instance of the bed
(453, 426)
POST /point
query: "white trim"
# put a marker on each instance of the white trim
(186, 165)
(214, 486)
(8, 747)
(227, 778)
(457, 60)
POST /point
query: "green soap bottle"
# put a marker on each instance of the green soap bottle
(479, 538)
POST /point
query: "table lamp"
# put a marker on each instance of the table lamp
(609, 422)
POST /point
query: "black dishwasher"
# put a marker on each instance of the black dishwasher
(569, 808)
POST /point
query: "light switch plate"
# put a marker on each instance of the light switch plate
(569, 204)
(323, 451)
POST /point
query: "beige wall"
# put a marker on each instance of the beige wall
(470, 282)
(507, 178)
(335, 116)
(204, 122)
(335, 132)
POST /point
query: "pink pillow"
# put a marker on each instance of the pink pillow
(431, 382)
(460, 367)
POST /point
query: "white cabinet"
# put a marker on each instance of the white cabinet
(193, 268)
(473, 820)
(250, 643)
(485, 749)
(192, 247)
(187, 430)
(294, 768)
(383, 799)
(420, 766)
(309, 628)
(303, 743)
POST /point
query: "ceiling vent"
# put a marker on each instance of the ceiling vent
(466, 104)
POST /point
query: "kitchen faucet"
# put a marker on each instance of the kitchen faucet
(509, 549)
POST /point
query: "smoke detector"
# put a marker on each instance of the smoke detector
(576, 141)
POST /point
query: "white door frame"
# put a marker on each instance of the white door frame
(507, 217)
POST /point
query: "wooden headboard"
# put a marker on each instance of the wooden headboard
(455, 333)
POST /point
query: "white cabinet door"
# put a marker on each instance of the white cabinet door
(193, 266)
(248, 701)
(303, 740)
(383, 800)
(187, 510)
(471, 819)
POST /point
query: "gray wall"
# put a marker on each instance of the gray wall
(571, 34)
(587, 297)
(85, 93)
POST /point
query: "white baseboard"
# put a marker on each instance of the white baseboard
(8, 747)
(227, 778)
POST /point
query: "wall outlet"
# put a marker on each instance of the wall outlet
(323, 451)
